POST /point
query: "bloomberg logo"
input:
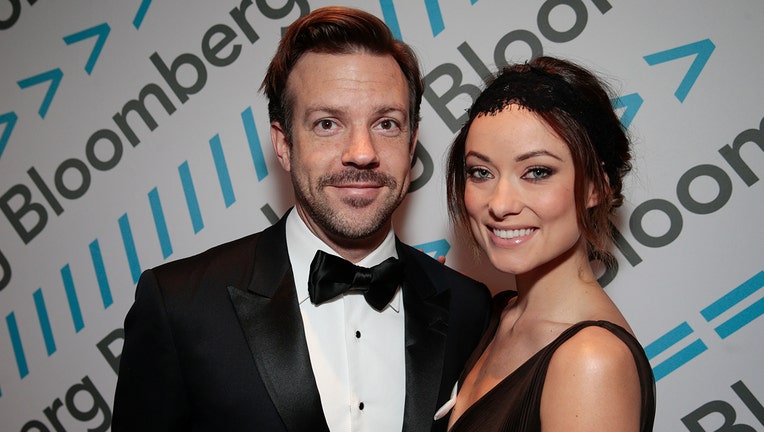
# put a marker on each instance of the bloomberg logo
(444, 86)
(28, 204)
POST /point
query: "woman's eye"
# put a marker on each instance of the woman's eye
(478, 173)
(538, 173)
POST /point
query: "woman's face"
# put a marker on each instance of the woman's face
(519, 191)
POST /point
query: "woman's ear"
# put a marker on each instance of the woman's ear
(593, 197)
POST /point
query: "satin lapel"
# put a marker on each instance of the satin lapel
(271, 321)
(426, 331)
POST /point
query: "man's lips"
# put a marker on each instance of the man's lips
(357, 185)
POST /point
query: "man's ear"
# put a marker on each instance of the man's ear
(414, 140)
(281, 145)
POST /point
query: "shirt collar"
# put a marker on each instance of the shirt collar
(302, 245)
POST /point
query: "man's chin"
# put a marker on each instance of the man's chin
(361, 222)
(358, 203)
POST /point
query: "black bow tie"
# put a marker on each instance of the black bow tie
(331, 276)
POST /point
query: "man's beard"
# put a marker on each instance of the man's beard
(348, 226)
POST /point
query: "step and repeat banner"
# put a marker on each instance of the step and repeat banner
(132, 133)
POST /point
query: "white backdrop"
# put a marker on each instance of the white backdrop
(131, 133)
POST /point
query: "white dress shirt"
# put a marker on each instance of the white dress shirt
(357, 353)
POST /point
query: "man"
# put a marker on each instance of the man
(244, 336)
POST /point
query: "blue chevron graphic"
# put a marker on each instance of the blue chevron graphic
(632, 103)
(101, 32)
(54, 76)
(439, 247)
(141, 14)
(9, 119)
(701, 50)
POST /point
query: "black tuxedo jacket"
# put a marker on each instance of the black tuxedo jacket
(215, 342)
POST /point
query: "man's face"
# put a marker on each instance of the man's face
(351, 147)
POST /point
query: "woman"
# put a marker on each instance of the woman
(534, 174)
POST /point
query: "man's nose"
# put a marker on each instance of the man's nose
(360, 150)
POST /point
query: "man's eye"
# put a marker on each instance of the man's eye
(325, 124)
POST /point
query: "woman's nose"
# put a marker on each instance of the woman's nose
(505, 199)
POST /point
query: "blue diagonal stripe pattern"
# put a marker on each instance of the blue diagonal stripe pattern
(671, 338)
(160, 223)
(71, 298)
(435, 16)
(42, 317)
(255, 148)
(100, 272)
(731, 299)
(129, 244)
(740, 293)
(18, 348)
(141, 13)
(679, 359)
(222, 169)
(192, 202)
(10, 119)
(741, 319)
(390, 17)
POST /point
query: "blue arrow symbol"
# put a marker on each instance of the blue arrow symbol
(54, 76)
(701, 50)
(141, 14)
(9, 119)
(436, 249)
(435, 16)
(390, 17)
(632, 103)
(100, 31)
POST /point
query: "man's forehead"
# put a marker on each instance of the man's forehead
(345, 82)
(360, 65)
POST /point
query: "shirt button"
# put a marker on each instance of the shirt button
(358, 334)
(360, 406)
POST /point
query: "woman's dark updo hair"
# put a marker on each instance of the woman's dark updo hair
(576, 105)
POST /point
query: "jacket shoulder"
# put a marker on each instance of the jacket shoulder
(443, 277)
(229, 263)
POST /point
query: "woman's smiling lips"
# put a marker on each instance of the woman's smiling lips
(514, 235)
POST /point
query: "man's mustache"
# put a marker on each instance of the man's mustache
(354, 175)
